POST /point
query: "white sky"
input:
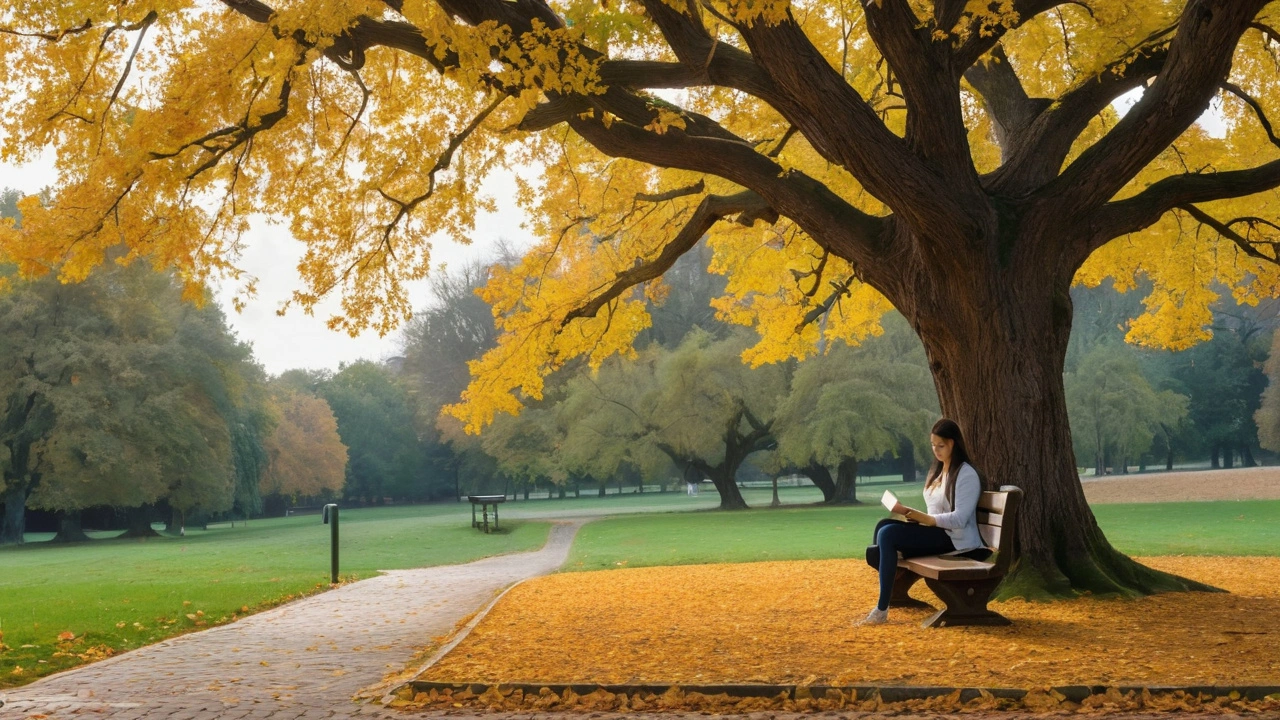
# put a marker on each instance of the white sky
(271, 254)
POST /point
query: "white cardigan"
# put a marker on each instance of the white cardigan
(961, 522)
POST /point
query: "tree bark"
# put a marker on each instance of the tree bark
(1228, 457)
(1213, 458)
(1168, 461)
(846, 491)
(69, 529)
(140, 523)
(997, 354)
(776, 502)
(821, 477)
(15, 515)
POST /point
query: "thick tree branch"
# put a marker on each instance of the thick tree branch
(812, 92)
(711, 210)
(935, 129)
(1144, 209)
(1199, 59)
(1005, 99)
(1038, 151)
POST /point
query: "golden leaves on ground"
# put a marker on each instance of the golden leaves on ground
(791, 622)
(1111, 701)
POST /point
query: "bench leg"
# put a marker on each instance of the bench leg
(966, 603)
(903, 580)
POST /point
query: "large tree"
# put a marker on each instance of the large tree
(961, 161)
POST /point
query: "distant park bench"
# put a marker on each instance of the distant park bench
(484, 501)
(966, 585)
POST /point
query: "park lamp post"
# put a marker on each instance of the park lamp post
(331, 519)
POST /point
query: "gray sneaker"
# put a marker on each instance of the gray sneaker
(875, 617)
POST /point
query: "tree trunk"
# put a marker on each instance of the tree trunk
(14, 523)
(846, 491)
(1227, 457)
(69, 529)
(140, 523)
(776, 502)
(561, 492)
(995, 331)
(604, 487)
(724, 478)
(1168, 461)
(1246, 456)
(821, 477)
(907, 459)
(1213, 459)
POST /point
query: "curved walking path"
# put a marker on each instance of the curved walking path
(301, 660)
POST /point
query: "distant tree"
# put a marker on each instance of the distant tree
(454, 328)
(855, 403)
(698, 404)
(1268, 414)
(1224, 380)
(1115, 413)
(305, 454)
(376, 423)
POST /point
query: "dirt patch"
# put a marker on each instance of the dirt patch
(792, 623)
(1256, 483)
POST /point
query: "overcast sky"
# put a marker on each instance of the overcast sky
(271, 254)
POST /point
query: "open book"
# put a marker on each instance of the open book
(890, 501)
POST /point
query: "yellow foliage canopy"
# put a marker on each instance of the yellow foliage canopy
(370, 126)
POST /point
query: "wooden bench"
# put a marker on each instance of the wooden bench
(965, 585)
(484, 501)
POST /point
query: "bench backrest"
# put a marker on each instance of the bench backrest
(997, 515)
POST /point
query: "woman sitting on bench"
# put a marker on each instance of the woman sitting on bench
(951, 494)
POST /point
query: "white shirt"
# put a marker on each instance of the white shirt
(961, 522)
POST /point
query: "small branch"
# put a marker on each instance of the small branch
(1224, 229)
(712, 209)
(145, 25)
(441, 163)
(694, 189)
(839, 290)
(51, 36)
(1257, 110)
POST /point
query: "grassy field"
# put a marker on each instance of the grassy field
(1205, 528)
(120, 594)
(112, 595)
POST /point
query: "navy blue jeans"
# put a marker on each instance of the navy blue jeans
(910, 539)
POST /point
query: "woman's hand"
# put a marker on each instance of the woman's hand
(914, 515)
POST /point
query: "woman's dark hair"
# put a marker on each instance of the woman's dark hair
(948, 430)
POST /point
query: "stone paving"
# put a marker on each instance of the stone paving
(302, 660)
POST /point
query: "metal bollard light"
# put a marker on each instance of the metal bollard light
(331, 519)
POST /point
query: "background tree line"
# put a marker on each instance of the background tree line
(685, 407)
(120, 399)
(119, 396)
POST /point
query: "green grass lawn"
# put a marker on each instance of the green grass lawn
(126, 593)
(1207, 528)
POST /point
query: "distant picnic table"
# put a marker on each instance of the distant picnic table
(485, 501)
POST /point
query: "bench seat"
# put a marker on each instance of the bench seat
(940, 567)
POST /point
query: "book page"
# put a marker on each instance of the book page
(888, 500)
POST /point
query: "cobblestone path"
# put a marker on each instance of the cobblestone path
(301, 660)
